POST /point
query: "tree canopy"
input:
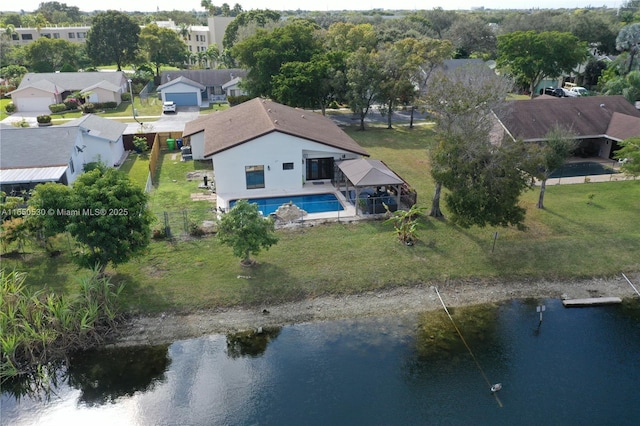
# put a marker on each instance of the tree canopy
(113, 38)
(530, 56)
(107, 215)
(162, 46)
(630, 156)
(246, 231)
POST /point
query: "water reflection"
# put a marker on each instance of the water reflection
(105, 375)
(583, 367)
(251, 343)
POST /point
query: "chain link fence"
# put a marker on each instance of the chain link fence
(185, 223)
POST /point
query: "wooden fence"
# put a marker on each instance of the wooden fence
(156, 141)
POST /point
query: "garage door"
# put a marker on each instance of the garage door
(33, 104)
(183, 99)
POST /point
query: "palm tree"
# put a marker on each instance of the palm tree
(628, 40)
(213, 55)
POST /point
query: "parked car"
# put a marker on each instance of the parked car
(580, 91)
(169, 106)
(558, 92)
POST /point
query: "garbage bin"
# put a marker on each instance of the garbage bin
(179, 143)
(171, 144)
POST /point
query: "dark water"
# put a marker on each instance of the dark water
(581, 367)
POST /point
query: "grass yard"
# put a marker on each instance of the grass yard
(137, 167)
(586, 230)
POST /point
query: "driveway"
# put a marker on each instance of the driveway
(172, 122)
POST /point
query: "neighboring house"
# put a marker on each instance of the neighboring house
(232, 88)
(262, 148)
(39, 90)
(213, 80)
(599, 122)
(36, 155)
(184, 92)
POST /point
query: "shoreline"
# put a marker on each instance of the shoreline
(167, 328)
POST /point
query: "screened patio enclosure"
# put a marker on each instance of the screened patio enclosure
(370, 185)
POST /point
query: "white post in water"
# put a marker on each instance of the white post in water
(541, 309)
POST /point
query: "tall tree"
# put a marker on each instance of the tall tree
(463, 103)
(350, 37)
(113, 38)
(628, 40)
(472, 36)
(49, 55)
(311, 84)
(245, 230)
(259, 16)
(363, 76)
(531, 56)
(547, 156)
(163, 46)
(265, 52)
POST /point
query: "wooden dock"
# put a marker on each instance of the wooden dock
(591, 301)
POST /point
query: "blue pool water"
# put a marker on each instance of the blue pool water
(313, 203)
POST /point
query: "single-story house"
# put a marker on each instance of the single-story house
(39, 90)
(213, 80)
(261, 148)
(598, 122)
(36, 155)
(232, 88)
(184, 92)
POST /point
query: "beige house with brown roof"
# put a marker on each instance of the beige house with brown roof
(263, 149)
(599, 122)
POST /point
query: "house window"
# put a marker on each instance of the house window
(15, 36)
(71, 167)
(27, 36)
(47, 35)
(319, 168)
(56, 35)
(287, 166)
(82, 35)
(255, 176)
(72, 35)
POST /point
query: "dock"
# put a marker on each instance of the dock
(591, 301)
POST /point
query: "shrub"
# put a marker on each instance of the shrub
(126, 97)
(88, 108)
(71, 103)
(235, 100)
(109, 105)
(55, 108)
(140, 143)
(43, 119)
(10, 108)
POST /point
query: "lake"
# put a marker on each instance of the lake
(581, 366)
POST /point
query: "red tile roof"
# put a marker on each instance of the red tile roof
(258, 117)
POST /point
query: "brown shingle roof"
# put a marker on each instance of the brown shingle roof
(623, 126)
(258, 117)
(587, 116)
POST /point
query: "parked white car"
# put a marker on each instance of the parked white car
(580, 91)
(169, 106)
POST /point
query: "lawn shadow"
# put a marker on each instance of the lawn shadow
(138, 294)
(267, 283)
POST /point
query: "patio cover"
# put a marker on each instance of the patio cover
(368, 172)
(31, 175)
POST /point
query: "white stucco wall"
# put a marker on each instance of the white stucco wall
(270, 151)
(78, 159)
(197, 146)
(102, 150)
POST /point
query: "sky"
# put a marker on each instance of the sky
(187, 5)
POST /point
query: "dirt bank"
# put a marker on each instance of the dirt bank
(167, 328)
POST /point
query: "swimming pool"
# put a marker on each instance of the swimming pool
(582, 168)
(312, 203)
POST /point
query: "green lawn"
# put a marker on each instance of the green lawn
(572, 238)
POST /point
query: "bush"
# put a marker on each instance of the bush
(140, 143)
(109, 105)
(333, 105)
(235, 100)
(126, 97)
(71, 103)
(89, 108)
(55, 108)
(43, 119)
(10, 108)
